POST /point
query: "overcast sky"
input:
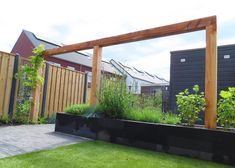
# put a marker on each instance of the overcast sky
(74, 21)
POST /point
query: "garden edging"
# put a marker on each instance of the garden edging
(202, 143)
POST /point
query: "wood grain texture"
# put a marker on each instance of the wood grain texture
(211, 77)
(35, 102)
(96, 73)
(178, 28)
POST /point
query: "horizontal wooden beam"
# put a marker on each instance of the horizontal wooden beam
(178, 28)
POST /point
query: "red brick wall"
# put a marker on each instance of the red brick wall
(23, 46)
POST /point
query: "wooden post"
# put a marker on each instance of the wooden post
(35, 103)
(96, 72)
(211, 77)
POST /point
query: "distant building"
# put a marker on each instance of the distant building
(188, 69)
(139, 81)
(135, 79)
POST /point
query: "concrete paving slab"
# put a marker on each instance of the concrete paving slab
(21, 139)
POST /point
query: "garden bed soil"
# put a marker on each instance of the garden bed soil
(197, 142)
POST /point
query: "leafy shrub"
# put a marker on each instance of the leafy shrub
(147, 100)
(226, 108)
(22, 112)
(5, 119)
(170, 118)
(190, 105)
(113, 98)
(147, 114)
(42, 120)
(77, 109)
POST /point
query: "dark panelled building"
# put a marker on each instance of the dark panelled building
(188, 68)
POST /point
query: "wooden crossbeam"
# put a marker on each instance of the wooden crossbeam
(207, 23)
(178, 28)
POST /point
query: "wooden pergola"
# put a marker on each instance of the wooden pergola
(207, 23)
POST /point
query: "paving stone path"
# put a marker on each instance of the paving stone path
(27, 138)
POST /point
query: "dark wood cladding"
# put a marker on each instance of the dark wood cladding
(186, 74)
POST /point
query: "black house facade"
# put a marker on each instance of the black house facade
(188, 68)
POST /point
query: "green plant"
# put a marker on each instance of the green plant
(190, 105)
(113, 98)
(31, 70)
(226, 108)
(5, 119)
(170, 118)
(147, 114)
(42, 120)
(147, 100)
(77, 109)
(22, 112)
(29, 77)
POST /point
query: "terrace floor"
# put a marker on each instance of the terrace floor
(20, 139)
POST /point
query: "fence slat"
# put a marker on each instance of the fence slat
(73, 88)
(9, 78)
(48, 91)
(52, 91)
(65, 88)
(76, 89)
(69, 89)
(61, 94)
(57, 90)
(3, 79)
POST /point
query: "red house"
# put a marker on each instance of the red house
(74, 60)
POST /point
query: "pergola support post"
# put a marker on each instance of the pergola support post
(211, 77)
(207, 23)
(96, 73)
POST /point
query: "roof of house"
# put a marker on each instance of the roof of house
(225, 46)
(139, 74)
(86, 60)
(75, 57)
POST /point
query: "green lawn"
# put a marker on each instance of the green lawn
(97, 154)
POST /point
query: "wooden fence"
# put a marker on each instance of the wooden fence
(6, 76)
(62, 87)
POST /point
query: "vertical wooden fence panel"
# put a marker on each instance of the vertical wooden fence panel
(48, 91)
(6, 76)
(76, 88)
(64, 89)
(61, 95)
(57, 89)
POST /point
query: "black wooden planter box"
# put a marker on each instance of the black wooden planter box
(215, 145)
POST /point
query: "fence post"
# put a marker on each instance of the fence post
(45, 91)
(35, 103)
(85, 88)
(13, 88)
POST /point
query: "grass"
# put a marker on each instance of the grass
(151, 114)
(146, 114)
(97, 154)
(77, 109)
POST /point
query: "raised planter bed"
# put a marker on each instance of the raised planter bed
(215, 145)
